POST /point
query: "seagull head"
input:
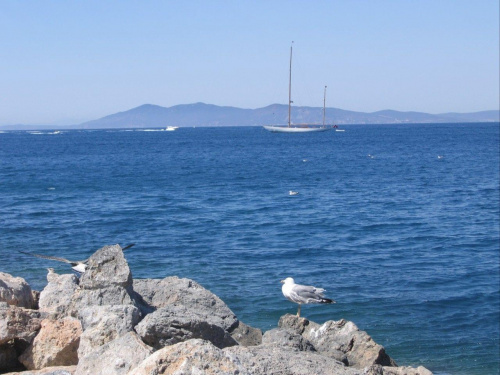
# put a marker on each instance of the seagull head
(288, 280)
(50, 270)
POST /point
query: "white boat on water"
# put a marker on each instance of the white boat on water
(297, 128)
(171, 128)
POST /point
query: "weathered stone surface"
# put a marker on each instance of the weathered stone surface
(117, 357)
(55, 345)
(18, 323)
(56, 370)
(106, 266)
(176, 323)
(156, 293)
(107, 281)
(15, 291)
(385, 370)
(102, 324)
(284, 338)
(341, 340)
(36, 299)
(191, 357)
(246, 335)
(265, 360)
(172, 290)
(56, 298)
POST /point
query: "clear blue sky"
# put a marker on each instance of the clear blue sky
(65, 62)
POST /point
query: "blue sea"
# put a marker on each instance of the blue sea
(400, 223)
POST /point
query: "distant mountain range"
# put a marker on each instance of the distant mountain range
(201, 114)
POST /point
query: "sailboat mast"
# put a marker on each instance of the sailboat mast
(324, 107)
(290, 88)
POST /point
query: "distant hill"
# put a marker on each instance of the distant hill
(201, 114)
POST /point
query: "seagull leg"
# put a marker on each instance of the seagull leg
(298, 311)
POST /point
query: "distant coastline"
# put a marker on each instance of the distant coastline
(208, 115)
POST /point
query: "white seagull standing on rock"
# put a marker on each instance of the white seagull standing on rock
(303, 294)
(79, 266)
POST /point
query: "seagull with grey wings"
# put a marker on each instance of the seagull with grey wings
(79, 266)
(303, 294)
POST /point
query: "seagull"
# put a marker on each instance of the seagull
(303, 294)
(79, 266)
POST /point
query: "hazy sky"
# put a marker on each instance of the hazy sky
(65, 62)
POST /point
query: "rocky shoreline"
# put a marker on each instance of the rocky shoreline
(108, 323)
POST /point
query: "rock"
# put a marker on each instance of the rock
(55, 345)
(384, 370)
(246, 335)
(341, 340)
(18, 323)
(106, 266)
(36, 299)
(284, 338)
(172, 290)
(107, 280)
(265, 359)
(116, 357)
(176, 323)
(15, 291)
(102, 324)
(191, 357)
(56, 370)
(56, 298)
(156, 293)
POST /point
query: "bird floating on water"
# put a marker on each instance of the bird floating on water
(291, 192)
(303, 294)
(79, 266)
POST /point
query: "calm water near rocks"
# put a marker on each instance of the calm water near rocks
(400, 223)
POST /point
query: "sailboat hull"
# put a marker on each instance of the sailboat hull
(292, 129)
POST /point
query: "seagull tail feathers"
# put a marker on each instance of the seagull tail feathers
(327, 300)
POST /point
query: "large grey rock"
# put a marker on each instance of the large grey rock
(341, 340)
(56, 298)
(156, 293)
(102, 324)
(246, 335)
(284, 338)
(106, 266)
(55, 345)
(172, 290)
(269, 359)
(54, 370)
(107, 280)
(191, 357)
(117, 357)
(403, 370)
(18, 323)
(176, 323)
(15, 291)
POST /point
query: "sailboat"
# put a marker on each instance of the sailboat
(297, 128)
